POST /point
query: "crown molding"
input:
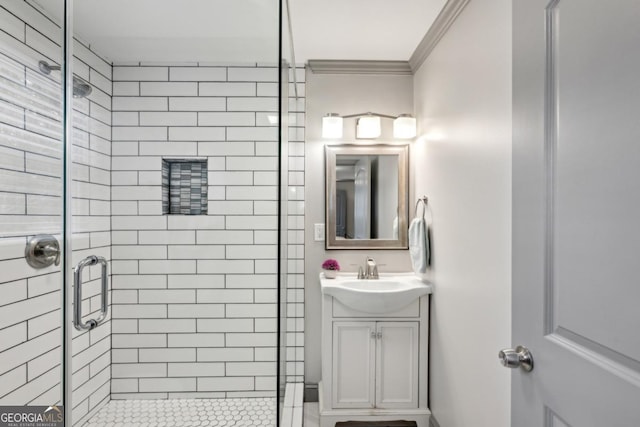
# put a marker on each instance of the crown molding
(443, 21)
(329, 66)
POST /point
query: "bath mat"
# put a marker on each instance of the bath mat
(376, 424)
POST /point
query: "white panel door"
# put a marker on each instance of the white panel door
(397, 365)
(576, 212)
(353, 377)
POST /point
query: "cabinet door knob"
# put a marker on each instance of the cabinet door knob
(373, 334)
(379, 335)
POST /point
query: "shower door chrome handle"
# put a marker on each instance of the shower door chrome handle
(77, 296)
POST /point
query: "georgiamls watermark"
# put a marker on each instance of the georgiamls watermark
(31, 416)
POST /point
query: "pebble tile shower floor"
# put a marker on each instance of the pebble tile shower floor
(247, 412)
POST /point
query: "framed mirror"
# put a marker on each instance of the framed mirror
(366, 196)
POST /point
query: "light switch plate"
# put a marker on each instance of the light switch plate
(318, 232)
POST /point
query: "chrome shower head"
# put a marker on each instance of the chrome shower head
(45, 68)
(81, 88)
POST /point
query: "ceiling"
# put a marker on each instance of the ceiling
(247, 30)
(360, 29)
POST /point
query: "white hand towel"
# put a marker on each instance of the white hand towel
(419, 245)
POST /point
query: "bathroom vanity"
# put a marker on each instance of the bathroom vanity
(374, 349)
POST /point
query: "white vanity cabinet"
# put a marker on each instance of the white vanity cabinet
(374, 366)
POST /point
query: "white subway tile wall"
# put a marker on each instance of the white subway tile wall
(195, 296)
(294, 239)
(30, 203)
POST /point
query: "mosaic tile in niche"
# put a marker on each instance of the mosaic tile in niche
(184, 187)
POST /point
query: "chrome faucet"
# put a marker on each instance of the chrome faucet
(370, 270)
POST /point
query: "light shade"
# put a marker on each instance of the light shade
(368, 127)
(404, 127)
(332, 126)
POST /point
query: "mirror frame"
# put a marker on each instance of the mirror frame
(331, 152)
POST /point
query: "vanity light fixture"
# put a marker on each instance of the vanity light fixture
(368, 125)
(404, 127)
(332, 126)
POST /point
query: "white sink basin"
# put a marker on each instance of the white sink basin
(387, 294)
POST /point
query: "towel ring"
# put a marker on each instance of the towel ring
(424, 200)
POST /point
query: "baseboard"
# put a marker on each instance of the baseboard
(311, 392)
(433, 422)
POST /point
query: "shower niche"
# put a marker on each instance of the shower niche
(184, 187)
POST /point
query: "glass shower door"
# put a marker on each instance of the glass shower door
(31, 190)
(192, 297)
(44, 179)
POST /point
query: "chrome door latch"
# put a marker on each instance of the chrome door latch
(519, 358)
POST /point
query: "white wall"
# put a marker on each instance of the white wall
(344, 94)
(463, 163)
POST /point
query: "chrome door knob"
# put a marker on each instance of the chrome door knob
(42, 251)
(519, 358)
